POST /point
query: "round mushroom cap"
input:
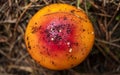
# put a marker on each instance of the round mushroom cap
(59, 36)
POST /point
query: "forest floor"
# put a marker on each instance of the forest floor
(105, 55)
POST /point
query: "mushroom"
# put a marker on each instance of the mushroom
(59, 36)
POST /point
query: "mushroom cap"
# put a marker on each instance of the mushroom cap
(59, 36)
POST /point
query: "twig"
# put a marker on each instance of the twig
(101, 14)
(89, 65)
(86, 9)
(10, 3)
(107, 49)
(3, 6)
(117, 4)
(25, 68)
(3, 39)
(102, 27)
(62, 1)
(46, 2)
(115, 40)
(106, 27)
(78, 3)
(96, 6)
(114, 15)
(6, 55)
(101, 50)
(6, 74)
(8, 21)
(104, 2)
(20, 59)
(114, 28)
(106, 42)
(18, 20)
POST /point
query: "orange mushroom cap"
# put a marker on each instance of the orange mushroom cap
(59, 36)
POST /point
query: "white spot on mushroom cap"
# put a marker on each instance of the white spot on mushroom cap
(92, 33)
(70, 50)
(51, 29)
(52, 39)
(60, 30)
(68, 43)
